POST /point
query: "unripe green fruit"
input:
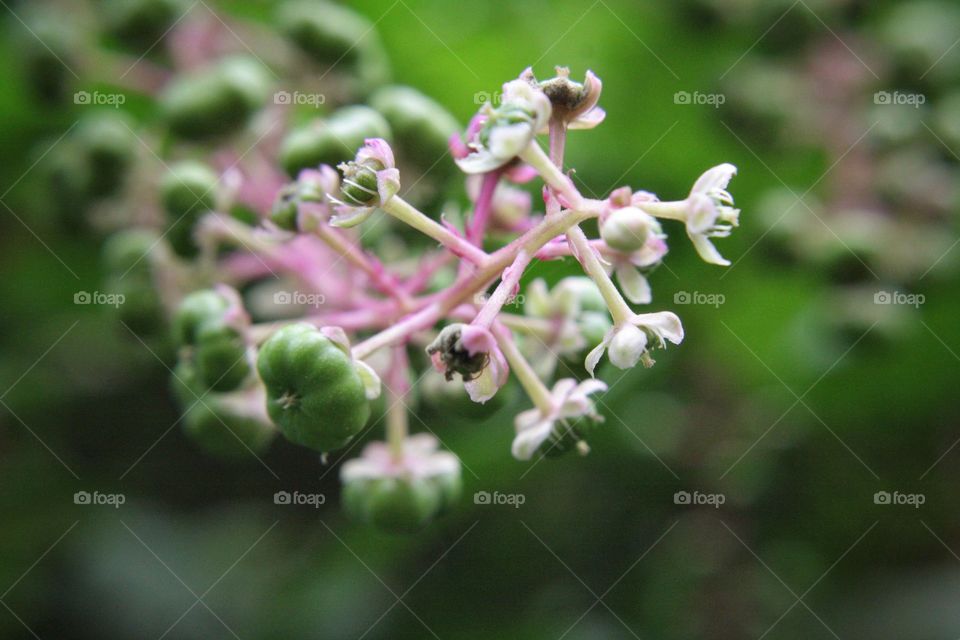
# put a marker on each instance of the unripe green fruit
(626, 229)
(188, 191)
(285, 208)
(420, 125)
(565, 437)
(594, 326)
(338, 38)
(314, 393)
(215, 100)
(221, 356)
(333, 140)
(197, 309)
(108, 144)
(140, 24)
(393, 505)
(48, 47)
(127, 251)
(360, 188)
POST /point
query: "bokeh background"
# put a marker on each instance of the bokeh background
(796, 397)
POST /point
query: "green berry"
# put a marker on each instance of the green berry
(129, 273)
(420, 125)
(333, 140)
(285, 207)
(393, 505)
(188, 191)
(107, 144)
(216, 100)
(314, 392)
(337, 38)
(141, 24)
(197, 309)
(127, 251)
(221, 356)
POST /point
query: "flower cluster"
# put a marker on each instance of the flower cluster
(308, 285)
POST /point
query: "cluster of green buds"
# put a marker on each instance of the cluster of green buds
(286, 252)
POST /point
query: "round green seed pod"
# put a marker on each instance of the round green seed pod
(141, 24)
(393, 505)
(216, 100)
(333, 140)
(335, 37)
(421, 126)
(314, 393)
(107, 144)
(221, 356)
(129, 273)
(197, 309)
(566, 436)
(188, 191)
(128, 250)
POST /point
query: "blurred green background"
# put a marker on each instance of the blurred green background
(797, 399)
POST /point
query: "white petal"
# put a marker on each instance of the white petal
(634, 284)
(626, 347)
(347, 216)
(507, 141)
(664, 324)
(529, 439)
(370, 379)
(589, 120)
(706, 250)
(481, 161)
(483, 387)
(596, 353)
(716, 178)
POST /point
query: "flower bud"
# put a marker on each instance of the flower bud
(215, 100)
(314, 391)
(359, 187)
(333, 140)
(188, 191)
(627, 229)
(626, 346)
(420, 125)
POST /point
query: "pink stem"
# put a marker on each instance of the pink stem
(483, 207)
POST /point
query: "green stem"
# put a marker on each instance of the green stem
(528, 378)
(406, 212)
(619, 309)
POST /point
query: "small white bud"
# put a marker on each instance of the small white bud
(627, 229)
(628, 344)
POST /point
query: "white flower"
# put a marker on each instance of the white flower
(569, 402)
(628, 342)
(369, 181)
(707, 211)
(498, 135)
